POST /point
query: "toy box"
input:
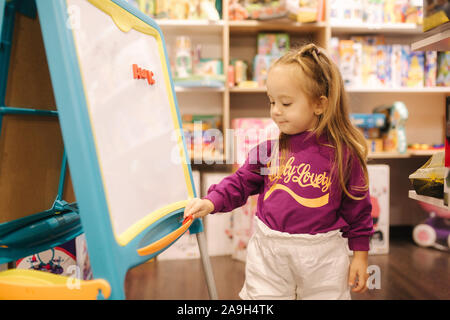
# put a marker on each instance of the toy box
(266, 10)
(203, 135)
(415, 75)
(405, 63)
(384, 71)
(370, 125)
(217, 226)
(243, 226)
(347, 62)
(306, 10)
(186, 247)
(396, 65)
(240, 71)
(447, 153)
(394, 133)
(249, 132)
(435, 13)
(379, 196)
(443, 72)
(275, 44)
(367, 121)
(430, 68)
(58, 260)
(261, 65)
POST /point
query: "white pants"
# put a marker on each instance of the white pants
(295, 266)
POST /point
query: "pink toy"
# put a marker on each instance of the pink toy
(435, 231)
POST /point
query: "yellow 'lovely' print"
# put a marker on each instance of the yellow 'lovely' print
(310, 203)
(302, 175)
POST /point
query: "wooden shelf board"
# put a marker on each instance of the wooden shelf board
(368, 28)
(430, 200)
(361, 90)
(204, 26)
(436, 39)
(252, 26)
(408, 154)
(398, 89)
(388, 155)
(247, 90)
(198, 89)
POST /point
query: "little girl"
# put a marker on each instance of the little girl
(312, 184)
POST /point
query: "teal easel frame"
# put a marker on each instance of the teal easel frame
(60, 223)
(109, 260)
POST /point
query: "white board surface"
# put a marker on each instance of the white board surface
(131, 121)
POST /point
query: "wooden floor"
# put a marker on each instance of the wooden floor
(407, 272)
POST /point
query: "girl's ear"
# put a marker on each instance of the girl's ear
(320, 106)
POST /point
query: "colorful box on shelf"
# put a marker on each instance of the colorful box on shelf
(435, 14)
(370, 125)
(270, 47)
(180, 9)
(203, 136)
(375, 12)
(200, 81)
(249, 132)
(379, 184)
(370, 62)
(367, 121)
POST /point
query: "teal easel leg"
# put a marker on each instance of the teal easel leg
(7, 13)
(2, 11)
(62, 177)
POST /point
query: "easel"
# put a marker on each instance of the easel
(111, 256)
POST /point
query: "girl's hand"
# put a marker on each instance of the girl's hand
(198, 208)
(357, 277)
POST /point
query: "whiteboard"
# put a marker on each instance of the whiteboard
(133, 123)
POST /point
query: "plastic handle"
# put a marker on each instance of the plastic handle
(167, 240)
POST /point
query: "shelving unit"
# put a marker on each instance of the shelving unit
(237, 39)
(389, 28)
(430, 200)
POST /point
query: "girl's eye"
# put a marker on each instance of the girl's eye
(286, 104)
(271, 102)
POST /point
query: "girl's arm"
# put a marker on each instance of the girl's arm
(357, 213)
(233, 191)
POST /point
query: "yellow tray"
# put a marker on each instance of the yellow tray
(19, 284)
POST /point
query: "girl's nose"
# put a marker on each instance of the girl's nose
(276, 110)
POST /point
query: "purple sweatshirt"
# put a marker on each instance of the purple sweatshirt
(304, 199)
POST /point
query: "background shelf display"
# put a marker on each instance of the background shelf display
(227, 40)
(230, 40)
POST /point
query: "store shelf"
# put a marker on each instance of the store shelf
(397, 155)
(430, 200)
(254, 26)
(388, 28)
(208, 160)
(247, 90)
(361, 90)
(388, 155)
(426, 153)
(398, 90)
(237, 40)
(197, 89)
(436, 39)
(189, 26)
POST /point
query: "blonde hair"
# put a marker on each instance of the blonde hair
(322, 78)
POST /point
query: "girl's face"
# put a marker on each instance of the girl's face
(289, 106)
